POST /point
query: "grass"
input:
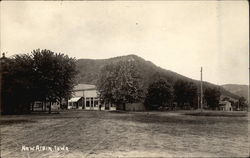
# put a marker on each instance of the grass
(130, 134)
(218, 113)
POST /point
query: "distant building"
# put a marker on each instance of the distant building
(85, 96)
(225, 106)
(43, 107)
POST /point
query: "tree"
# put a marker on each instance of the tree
(40, 76)
(192, 94)
(242, 103)
(160, 94)
(185, 92)
(55, 75)
(212, 97)
(106, 83)
(17, 84)
(120, 83)
(180, 92)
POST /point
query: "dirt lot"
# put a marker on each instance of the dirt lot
(138, 134)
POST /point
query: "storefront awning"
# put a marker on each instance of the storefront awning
(75, 99)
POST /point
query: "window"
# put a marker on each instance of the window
(87, 103)
(95, 103)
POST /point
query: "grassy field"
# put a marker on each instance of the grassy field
(129, 134)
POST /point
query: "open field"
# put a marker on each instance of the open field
(133, 134)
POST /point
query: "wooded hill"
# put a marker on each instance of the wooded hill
(240, 90)
(89, 69)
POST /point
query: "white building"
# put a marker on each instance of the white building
(226, 106)
(86, 97)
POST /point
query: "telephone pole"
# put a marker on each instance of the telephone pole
(201, 99)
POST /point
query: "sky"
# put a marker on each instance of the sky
(180, 36)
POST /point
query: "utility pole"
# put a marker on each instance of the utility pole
(201, 99)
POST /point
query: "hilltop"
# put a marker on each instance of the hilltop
(237, 89)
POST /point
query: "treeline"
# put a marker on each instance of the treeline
(120, 83)
(49, 77)
(42, 76)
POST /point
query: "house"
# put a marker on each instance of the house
(225, 106)
(85, 96)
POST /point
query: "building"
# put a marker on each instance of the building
(225, 106)
(85, 96)
(39, 106)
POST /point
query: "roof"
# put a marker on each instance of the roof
(84, 87)
(224, 102)
(75, 99)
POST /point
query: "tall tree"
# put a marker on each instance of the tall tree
(180, 92)
(120, 83)
(160, 94)
(191, 94)
(212, 97)
(106, 83)
(185, 92)
(242, 103)
(54, 74)
(17, 84)
(40, 76)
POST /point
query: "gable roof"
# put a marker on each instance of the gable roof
(84, 87)
(224, 102)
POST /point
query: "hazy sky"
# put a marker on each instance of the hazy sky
(176, 35)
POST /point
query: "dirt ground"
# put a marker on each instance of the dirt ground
(129, 134)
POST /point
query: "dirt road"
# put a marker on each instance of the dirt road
(110, 134)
